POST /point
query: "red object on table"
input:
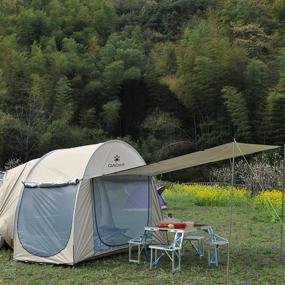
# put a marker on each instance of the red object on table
(176, 225)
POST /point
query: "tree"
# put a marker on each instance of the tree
(63, 106)
(42, 90)
(95, 70)
(122, 59)
(256, 77)
(56, 135)
(238, 112)
(276, 116)
(110, 114)
(6, 121)
(32, 25)
(104, 17)
(276, 106)
(259, 12)
(21, 132)
(252, 38)
(164, 19)
(160, 128)
(205, 62)
(89, 118)
(279, 10)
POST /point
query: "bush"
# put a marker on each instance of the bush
(263, 172)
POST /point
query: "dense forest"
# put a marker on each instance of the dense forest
(167, 76)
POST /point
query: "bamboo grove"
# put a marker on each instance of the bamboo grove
(167, 76)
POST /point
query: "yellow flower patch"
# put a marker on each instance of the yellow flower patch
(208, 195)
(273, 197)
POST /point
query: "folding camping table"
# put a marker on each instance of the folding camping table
(175, 246)
(189, 229)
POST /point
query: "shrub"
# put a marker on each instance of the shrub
(11, 163)
(266, 169)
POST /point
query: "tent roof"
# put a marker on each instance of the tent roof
(218, 153)
(84, 162)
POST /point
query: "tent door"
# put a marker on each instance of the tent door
(121, 210)
(45, 219)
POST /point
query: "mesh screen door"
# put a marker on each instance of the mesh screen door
(121, 209)
(45, 219)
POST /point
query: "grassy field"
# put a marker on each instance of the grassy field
(255, 256)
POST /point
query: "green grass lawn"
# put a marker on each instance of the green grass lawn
(254, 257)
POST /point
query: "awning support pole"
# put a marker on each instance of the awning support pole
(232, 185)
(231, 209)
(282, 208)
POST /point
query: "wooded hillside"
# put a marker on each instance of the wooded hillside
(168, 76)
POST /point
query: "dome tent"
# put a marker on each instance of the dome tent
(74, 204)
(64, 208)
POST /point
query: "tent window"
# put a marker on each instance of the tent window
(45, 219)
(121, 210)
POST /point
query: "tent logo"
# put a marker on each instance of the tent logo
(116, 163)
(116, 158)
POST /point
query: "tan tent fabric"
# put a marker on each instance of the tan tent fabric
(62, 165)
(156, 213)
(83, 223)
(49, 174)
(82, 162)
(9, 195)
(64, 257)
(214, 154)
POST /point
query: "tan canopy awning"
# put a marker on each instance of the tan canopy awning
(218, 153)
